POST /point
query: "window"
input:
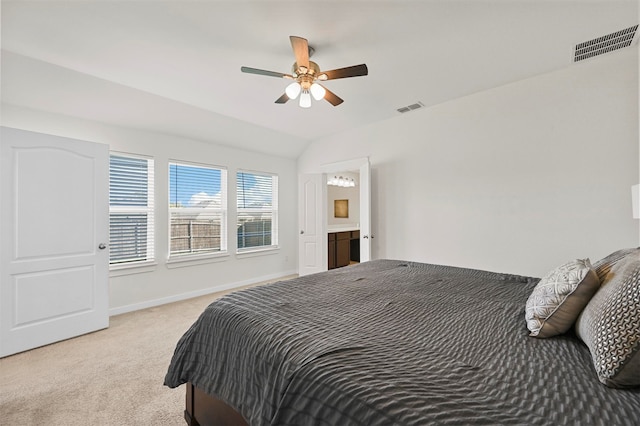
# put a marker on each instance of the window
(198, 209)
(257, 195)
(130, 209)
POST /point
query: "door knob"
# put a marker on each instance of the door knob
(301, 232)
(102, 246)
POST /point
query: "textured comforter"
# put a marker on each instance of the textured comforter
(393, 342)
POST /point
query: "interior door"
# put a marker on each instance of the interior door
(363, 166)
(365, 211)
(54, 217)
(312, 244)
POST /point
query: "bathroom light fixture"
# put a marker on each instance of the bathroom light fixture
(342, 182)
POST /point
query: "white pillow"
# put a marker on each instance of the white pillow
(559, 297)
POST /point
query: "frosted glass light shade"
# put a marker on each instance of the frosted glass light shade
(305, 99)
(293, 90)
(317, 91)
(341, 182)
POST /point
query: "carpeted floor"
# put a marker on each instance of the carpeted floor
(110, 377)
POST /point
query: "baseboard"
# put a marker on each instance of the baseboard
(197, 293)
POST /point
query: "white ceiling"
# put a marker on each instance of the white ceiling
(174, 66)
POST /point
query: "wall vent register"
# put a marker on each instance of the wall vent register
(411, 107)
(605, 44)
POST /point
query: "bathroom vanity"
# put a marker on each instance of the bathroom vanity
(344, 247)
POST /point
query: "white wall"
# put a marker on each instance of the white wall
(162, 284)
(519, 179)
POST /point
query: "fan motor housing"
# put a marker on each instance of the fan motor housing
(305, 79)
(298, 71)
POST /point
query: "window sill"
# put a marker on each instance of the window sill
(198, 259)
(120, 269)
(258, 252)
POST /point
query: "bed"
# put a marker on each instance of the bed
(395, 342)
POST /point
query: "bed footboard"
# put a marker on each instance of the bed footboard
(202, 409)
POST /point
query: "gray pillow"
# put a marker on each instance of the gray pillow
(603, 266)
(610, 325)
(559, 297)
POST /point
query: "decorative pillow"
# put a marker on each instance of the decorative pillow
(610, 325)
(559, 297)
(603, 266)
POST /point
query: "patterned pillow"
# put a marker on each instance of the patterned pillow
(610, 325)
(603, 266)
(559, 297)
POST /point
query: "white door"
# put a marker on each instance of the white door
(54, 228)
(364, 168)
(312, 244)
(365, 212)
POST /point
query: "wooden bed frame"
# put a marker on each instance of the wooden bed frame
(205, 410)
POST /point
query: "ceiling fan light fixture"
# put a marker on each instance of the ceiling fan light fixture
(305, 73)
(293, 90)
(305, 99)
(317, 91)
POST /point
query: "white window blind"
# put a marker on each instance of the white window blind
(131, 221)
(198, 209)
(257, 197)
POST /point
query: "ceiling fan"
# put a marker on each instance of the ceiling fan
(306, 74)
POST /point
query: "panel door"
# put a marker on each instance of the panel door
(312, 242)
(54, 217)
(364, 168)
(365, 212)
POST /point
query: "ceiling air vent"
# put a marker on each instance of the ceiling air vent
(410, 107)
(605, 44)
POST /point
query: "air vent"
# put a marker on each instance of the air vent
(605, 44)
(410, 107)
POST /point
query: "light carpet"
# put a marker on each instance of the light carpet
(110, 377)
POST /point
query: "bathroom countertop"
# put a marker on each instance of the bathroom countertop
(341, 228)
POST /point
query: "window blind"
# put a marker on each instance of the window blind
(197, 209)
(131, 218)
(257, 204)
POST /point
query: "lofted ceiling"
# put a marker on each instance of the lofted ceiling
(174, 66)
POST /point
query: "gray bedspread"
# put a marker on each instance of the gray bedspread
(393, 342)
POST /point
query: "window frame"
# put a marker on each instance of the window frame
(273, 210)
(148, 210)
(195, 257)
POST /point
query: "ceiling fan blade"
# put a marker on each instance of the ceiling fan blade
(265, 72)
(352, 71)
(282, 99)
(332, 98)
(300, 51)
